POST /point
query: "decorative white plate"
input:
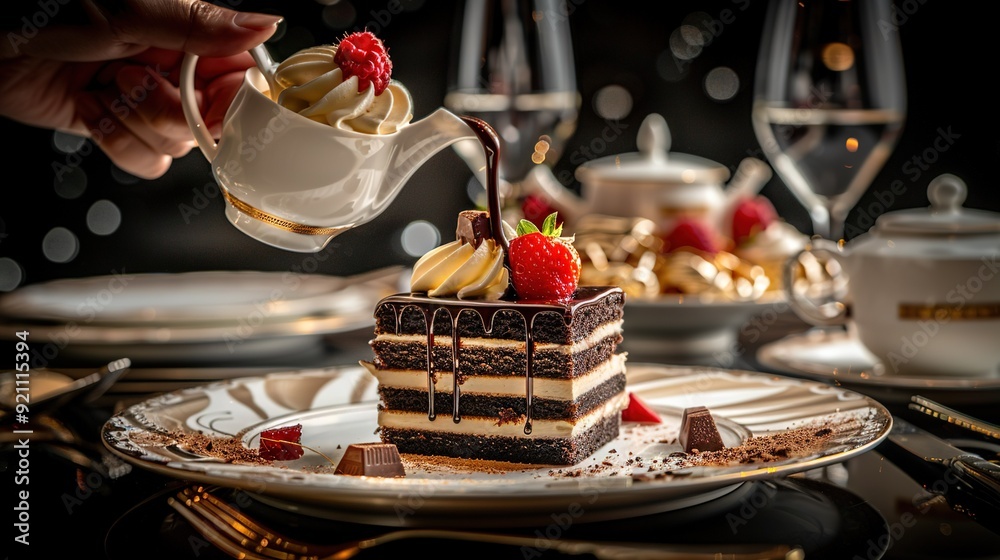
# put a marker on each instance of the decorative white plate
(627, 477)
(187, 298)
(836, 356)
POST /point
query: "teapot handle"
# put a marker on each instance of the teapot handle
(191, 111)
(834, 311)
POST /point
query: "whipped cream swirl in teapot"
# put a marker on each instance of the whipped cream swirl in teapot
(311, 83)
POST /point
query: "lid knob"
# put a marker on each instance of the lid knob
(947, 193)
(654, 139)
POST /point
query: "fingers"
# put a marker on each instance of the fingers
(219, 96)
(132, 26)
(191, 26)
(168, 64)
(116, 140)
(138, 120)
(151, 110)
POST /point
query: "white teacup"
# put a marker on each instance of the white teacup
(294, 183)
(923, 287)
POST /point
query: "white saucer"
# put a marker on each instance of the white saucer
(835, 356)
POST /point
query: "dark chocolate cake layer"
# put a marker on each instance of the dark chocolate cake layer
(494, 360)
(552, 451)
(493, 406)
(589, 308)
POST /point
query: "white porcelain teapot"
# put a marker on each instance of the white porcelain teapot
(294, 183)
(656, 184)
(922, 287)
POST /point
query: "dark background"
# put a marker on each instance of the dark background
(949, 53)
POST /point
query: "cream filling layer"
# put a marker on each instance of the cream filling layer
(479, 425)
(513, 386)
(599, 334)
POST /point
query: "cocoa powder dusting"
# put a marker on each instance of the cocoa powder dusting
(227, 449)
(797, 442)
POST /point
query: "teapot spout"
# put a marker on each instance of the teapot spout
(750, 177)
(540, 180)
(418, 141)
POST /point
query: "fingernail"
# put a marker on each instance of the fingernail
(255, 21)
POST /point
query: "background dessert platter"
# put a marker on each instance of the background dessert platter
(698, 256)
(337, 407)
(203, 317)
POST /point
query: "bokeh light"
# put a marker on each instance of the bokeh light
(680, 45)
(11, 274)
(613, 102)
(67, 143)
(722, 83)
(339, 15)
(70, 182)
(60, 245)
(418, 237)
(838, 56)
(103, 217)
(692, 33)
(123, 177)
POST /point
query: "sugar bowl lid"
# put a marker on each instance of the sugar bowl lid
(945, 216)
(653, 163)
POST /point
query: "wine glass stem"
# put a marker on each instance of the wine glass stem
(821, 220)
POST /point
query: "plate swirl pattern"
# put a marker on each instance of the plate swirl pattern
(633, 475)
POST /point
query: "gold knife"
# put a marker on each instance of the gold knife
(952, 416)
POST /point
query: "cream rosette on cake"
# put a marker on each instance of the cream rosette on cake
(459, 269)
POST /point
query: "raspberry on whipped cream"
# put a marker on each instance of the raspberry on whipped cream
(346, 85)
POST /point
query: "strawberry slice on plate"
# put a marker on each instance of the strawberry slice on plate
(639, 411)
(281, 444)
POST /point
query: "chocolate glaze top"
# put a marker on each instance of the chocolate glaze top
(584, 295)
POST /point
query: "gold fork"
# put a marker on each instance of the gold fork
(241, 537)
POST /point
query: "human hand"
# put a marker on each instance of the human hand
(109, 69)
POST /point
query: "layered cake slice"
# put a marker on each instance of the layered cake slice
(552, 394)
(496, 353)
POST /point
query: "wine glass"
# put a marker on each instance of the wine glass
(512, 66)
(829, 101)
